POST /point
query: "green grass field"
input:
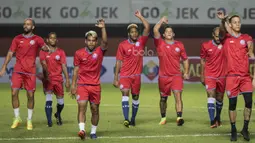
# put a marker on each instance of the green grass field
(110, 129)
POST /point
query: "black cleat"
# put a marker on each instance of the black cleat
(126, 123)
(233, 136)
(58, 118)
(246, 134)
(180, 121)
(49, 124)
(132, 123)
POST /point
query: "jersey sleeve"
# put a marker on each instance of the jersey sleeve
(119, 55)
(143, 40)
(249, 39)
(183, 53)
(42, 56)
(41, 42)
(14, 45)
(157, 41)
(63, 58)
(202, 52)
(76, 61)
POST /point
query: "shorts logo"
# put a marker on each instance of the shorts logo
(177, 49)
(94, 56)
(228, 93)
(137, 44)
(77, 97)
(220, 47)
(242, 42)
(150, 70)
(57, 57)
(32, 42)
(121, 86)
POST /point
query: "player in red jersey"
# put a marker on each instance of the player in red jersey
(54, 63)
(237, 49)
(170, 79)
(87, 67)
(129, 66)
(213, 75)
(25, 46)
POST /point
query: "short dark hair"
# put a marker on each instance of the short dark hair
(31, 19)
(233, 16)
(214, 29)
(167, 26)
(51, 34)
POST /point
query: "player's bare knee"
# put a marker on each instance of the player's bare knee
(15, 93)
(232, 104)
(94, 109)
(211, 94)
(248, 100)
(135, 97)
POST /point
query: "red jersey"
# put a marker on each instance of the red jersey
(236, 50)
(54, 63)
(26, 49)
(169, 56)
(131, 55)
(214, 59)
(90, 64)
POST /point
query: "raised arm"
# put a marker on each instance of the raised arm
(224, 26)
(101, 24)
(156, 28)
(146, 24)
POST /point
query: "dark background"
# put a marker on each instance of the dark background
(71, 37)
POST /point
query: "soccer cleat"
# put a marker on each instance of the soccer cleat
(218, 123)
(233, 136)
(49, 124)
(16, 122)
(82, 135)
(246, 134)
(126, 123)
(180, 121)
(29, 125)
(132, 123)
(213, 124)
(58, 118)
(162, 121)
(93, 136)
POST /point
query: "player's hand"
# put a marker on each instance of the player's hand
(100, 23)
(116, 83)
(221, 15)
(253, 82)
(186, 76)
(2, 72)
(164, 20)
(138, 14)
(73, 92)
(67, 85)
(202, 80)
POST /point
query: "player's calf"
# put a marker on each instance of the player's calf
(60, 106)
(163, 106)
(135, 106)
(48, 109)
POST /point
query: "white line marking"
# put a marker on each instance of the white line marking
(115, 137)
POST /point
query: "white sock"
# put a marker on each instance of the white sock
(16, 112)
(93, 129)
(82, 126)
(30, 113)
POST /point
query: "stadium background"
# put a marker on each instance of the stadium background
(192, 20)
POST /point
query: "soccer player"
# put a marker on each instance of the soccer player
(54, 63)
(87, 67)
(25, 46)
(170, 79)
(237, 49)
(129, 66)
(213, 75)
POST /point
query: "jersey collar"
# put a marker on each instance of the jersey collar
(29, 36)
(214, 43)
(236, 36)
(90, 52)
(129, 41)
(170, 43)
